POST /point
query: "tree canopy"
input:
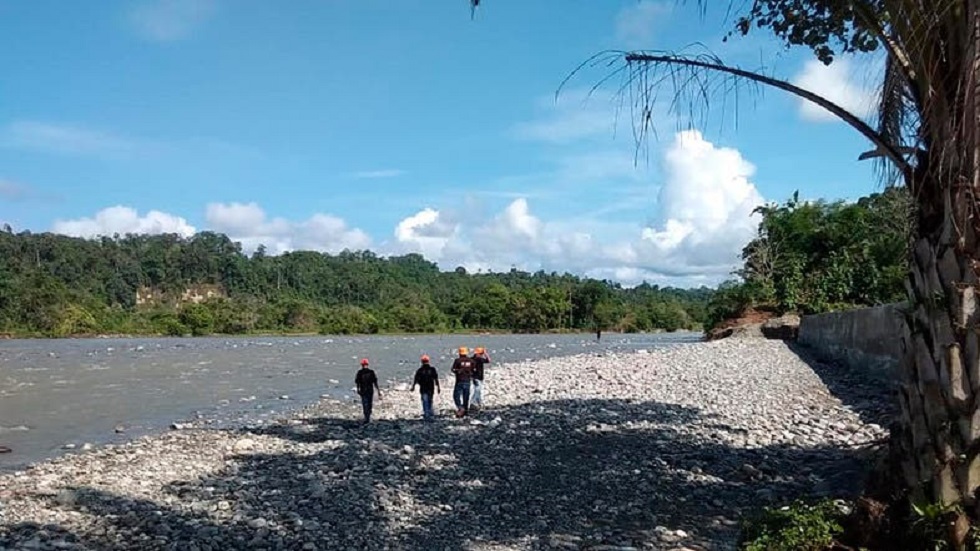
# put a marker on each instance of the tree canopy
(818, 256)
(928, 133)
(55, 285)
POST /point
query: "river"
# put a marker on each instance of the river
(55, 394)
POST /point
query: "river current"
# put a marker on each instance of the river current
(57, 395)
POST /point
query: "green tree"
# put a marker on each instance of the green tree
(197, 318)
(57, 285)
(815, 256)
(928, 133)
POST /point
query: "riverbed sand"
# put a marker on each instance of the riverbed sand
(666, 449)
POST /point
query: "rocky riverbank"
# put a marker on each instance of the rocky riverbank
(660, 450)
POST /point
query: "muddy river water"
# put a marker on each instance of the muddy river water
(60, 394)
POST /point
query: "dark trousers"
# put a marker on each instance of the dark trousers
(367, 402)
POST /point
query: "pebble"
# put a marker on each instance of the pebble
(616, 452)
(257, 523)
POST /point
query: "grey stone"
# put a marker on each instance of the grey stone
(258, 523)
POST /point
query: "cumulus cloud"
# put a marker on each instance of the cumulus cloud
(170, 20)
(249, 224)
(235, 218)
(427, 232)
(705, 205)
(246, 223)
(836, 82)
(703, 219)
(123, 220)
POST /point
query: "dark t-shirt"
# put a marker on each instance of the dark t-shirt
(365, 381)
(426, 378)
(463, 368)
(480, 361)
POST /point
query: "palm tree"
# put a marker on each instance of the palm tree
(927, 135)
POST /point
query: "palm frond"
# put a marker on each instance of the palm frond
(895, 117)
(695, 80)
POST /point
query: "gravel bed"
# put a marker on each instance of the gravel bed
(666, 449)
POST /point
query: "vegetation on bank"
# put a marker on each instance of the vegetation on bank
(800, 526)
(812, 257)
(55, 286)
(836, 525)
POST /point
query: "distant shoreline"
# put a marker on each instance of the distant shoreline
(83, 336)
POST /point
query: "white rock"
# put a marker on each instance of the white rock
(243, 444)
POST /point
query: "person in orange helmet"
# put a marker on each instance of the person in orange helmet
(428, 380)
(480, 359)
(366, 382)
(463, 368)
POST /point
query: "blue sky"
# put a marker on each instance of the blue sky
(405, 126)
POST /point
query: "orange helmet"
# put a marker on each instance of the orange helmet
(463, 351)
(425, 358)
(364, 361)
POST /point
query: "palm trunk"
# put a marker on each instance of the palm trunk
(937, 438)
(937, 441)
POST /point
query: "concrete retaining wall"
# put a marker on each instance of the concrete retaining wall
(869, 338)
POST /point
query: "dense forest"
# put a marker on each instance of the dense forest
(53, 285)
(807, 257)
(818, 256)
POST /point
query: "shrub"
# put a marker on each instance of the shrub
(197, 318)
(796, 527)
(730, 301)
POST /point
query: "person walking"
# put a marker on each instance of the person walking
(367, 382)
(480, 358)
(427, 379)
(463, 370)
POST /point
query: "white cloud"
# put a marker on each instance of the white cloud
(375, 174)
(235, 218)
(61, 138)
(123, 220)
(248, 224)
(427, 232)
(703, 219)
(170, 20)
(635, 24)
(515, 222)
(705, 207)
(838, 83)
